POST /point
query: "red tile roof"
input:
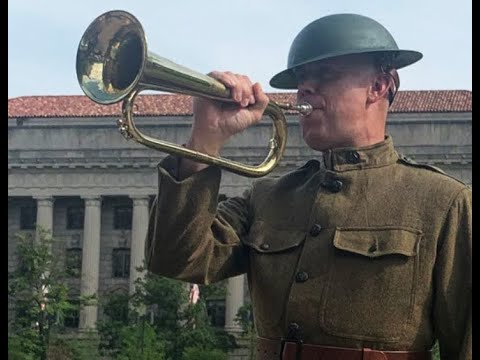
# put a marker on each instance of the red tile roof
(177, 105)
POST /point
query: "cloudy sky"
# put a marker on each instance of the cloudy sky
(250, 36)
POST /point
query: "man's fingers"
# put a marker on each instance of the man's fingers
(240, 86)
(261, 99)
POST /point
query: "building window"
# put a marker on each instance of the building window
(28, 217)
(216, 312)
(75, 216)
(73, 264)
(121, 263)
(122, 217)
(72, 315)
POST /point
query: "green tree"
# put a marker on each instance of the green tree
(73, 347)
(116, 313)
(159, 313)
(196, 354)
(39, 295)
(249, 335)
(436, 352)
(140, 341)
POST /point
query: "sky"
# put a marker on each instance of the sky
(250, 37)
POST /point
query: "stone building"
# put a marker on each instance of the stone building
(71, 171)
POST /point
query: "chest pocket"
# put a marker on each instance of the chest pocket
(266, 238)
(372, 279)
(273, 255)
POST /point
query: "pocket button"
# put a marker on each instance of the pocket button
(301, 276)
(336, 186)
(264, 246)
(315, 230)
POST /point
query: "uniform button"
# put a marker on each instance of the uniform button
(301, 276)
(294, 332)
(353, 157)
(315, 230)
(335, 186)
(264, 246)
(293, 327)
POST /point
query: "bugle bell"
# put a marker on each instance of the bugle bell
(113, 64)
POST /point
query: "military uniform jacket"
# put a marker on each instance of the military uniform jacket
(360, 249)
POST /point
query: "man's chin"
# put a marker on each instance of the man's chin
(316, 142)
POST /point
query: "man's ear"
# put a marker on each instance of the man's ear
(395, 84)
(379, 88)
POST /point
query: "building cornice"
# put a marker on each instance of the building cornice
(186, 120)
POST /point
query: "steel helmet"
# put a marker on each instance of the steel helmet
(342, 34)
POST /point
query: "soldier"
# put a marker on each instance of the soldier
(358, 254)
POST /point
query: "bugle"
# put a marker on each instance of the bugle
(113, 64)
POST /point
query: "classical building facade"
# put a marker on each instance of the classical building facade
(71, 171)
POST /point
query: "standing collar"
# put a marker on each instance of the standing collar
(351, 158)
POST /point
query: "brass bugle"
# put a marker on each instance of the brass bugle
(113, 65)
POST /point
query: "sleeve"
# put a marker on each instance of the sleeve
(453, 281)
(189, 237)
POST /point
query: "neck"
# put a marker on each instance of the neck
(374, 127)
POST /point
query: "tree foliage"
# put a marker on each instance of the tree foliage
(39, 294)
(156, 322)
(161, 321)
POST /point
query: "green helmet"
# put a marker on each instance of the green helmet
(342, 34)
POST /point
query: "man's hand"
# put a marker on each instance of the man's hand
(214, 122)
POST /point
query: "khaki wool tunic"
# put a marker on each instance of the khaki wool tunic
(362, 248)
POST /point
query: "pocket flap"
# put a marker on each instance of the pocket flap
(373, 242)
(267, 239)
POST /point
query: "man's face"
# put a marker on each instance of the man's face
(337, 89)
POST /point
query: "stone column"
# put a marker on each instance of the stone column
(44, 214)
(233, 302)
(90, 260)
(139, 232)
(44, 224)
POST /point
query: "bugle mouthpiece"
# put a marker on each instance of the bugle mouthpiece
(303, 108)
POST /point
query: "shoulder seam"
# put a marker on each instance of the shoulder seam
(408, 161)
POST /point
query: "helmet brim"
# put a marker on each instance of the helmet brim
(286, 79)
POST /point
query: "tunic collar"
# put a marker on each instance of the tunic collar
(352, 158)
